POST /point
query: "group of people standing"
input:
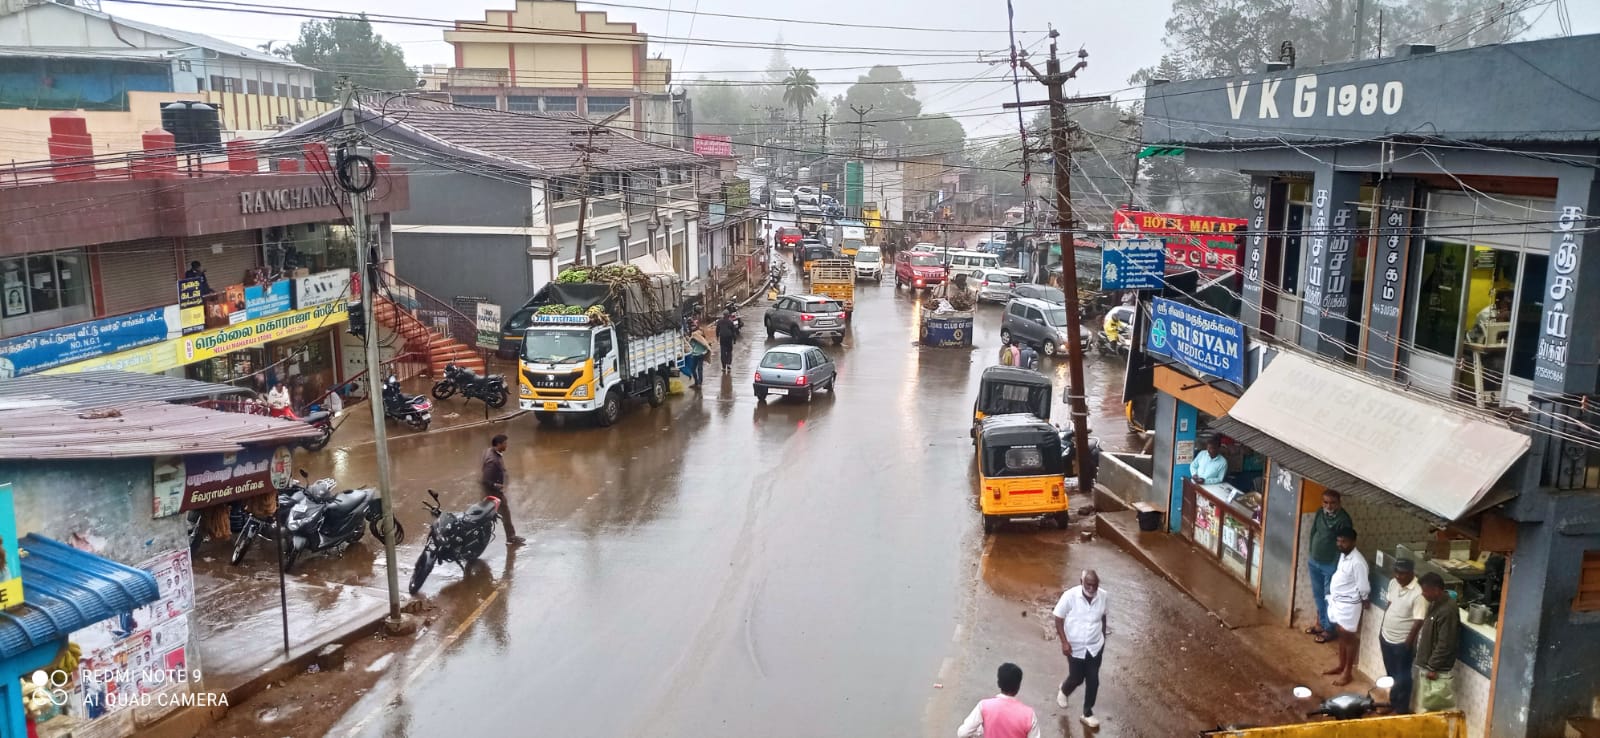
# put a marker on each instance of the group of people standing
(1421, 625)
(1081, 629)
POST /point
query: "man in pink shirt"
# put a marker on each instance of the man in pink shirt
(1003, 715)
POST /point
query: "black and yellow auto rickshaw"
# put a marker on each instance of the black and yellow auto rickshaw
(1009, 389)
(1021, 471)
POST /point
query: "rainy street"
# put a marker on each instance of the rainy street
(719, 566)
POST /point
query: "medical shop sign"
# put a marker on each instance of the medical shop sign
(1210, 344)
(214, 479)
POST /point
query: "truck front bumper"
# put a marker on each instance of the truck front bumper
(559, 406)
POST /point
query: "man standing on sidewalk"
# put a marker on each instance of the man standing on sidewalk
(1398, 635)
(1347, 597)
(1081, 628)
(1003, 715)
(493, 480)
(1436, 645)
(1325, 558)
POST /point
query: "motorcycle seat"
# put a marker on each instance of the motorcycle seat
(346, 503)
(317, 416)
(478, 512)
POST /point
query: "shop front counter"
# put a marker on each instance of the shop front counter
(1225, 522)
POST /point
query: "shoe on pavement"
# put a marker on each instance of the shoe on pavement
(516, 541)
(1090, 721)
(1061, 698)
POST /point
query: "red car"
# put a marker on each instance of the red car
(917, 269)
(789, 236)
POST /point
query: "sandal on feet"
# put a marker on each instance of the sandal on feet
(1315, 630)
(1325, 638)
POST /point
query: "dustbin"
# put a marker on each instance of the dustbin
(1149, 520)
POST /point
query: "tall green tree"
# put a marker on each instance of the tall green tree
(799, 91)
(349, 47)
(892, 98)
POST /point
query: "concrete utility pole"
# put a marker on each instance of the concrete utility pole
(861, 116)
(1061, 155)
(367, 268)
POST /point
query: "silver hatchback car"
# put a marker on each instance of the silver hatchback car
(794, 370)
(993, 285)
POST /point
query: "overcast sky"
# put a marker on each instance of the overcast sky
(1121, 37)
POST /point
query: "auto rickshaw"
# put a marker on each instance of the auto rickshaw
(1009, 389)
(1021, 472)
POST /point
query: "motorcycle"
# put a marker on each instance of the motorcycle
(1105, 346)
(322, 520)
(458, 537)
(1347, 706)
(322, 420)
(256, 526)
(490, 389)
(414, 410)
(731, 311)
(1069, 452)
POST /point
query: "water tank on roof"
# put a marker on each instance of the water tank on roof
(196, 126)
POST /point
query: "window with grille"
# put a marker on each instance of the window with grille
(252, 87)
(1588, 599)
(607, 105)
(522, 104)
(476, 101)
(561, 105)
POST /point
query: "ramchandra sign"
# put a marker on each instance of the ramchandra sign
(213, 479)
(1193, 241)
(286, 198)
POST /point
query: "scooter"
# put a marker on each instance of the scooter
(458, 537)
(1122, 346)
(414, 410)
(256, 526)
(1069, 453)
(490, 389)
(1347, 706)
(731, 311)
(324, 521)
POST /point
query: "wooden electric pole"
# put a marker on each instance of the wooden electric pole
(861, 117)
(583, 252)
(1055, 81)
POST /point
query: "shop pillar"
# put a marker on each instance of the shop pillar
(13, 716)
(1568, 359)
(1329, 251)
(1176, 423)
(1546, 671)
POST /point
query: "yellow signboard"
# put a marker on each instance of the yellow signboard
(10, 557)
(176, 352)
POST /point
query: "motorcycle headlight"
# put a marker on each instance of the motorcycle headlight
(583, 391)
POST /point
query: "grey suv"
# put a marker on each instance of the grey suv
(806, 317)
(1037, 323)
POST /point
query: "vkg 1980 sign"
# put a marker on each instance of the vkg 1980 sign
(1302, 97)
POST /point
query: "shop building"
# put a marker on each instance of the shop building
(495, 196)
(1407, 331)
(95, 266)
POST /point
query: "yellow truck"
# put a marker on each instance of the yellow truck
(836, 279)
(1423, 725)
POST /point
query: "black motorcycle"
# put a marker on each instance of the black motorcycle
(1350, 705)
(490, 389)
(458, 537)
(324, 521)
(256, 526)
(322, 420)
(413, 410)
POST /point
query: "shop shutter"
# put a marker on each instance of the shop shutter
(239, 254)
(137, 274)
(1588, 599)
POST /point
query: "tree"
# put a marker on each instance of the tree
(799, 91)
(349, 47)
(893, 100)
(937, 134)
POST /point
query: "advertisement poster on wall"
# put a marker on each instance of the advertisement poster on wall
(261, 300)
(168, 480)
(36, 352)
(10, 558)
(142, 648)
(191, 305)
(227, 308)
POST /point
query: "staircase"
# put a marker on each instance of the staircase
(435, 349)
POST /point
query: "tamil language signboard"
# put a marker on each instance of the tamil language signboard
(212, 479)
(1210, 344)
(35, 352)
(1194, 241)
(1133, 264)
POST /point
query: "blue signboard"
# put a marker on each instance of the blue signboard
(36, 352)
(269, 299)
(1208, 343)
(1133, 264)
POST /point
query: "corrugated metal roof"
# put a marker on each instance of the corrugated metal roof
(102, 388)
(34, 429)
(66, 589)
(185, 37)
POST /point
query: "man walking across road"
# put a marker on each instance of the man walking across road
(1398, 634)
(1325, 558)
(1003, 715)
(727, 333)
(1081, 627)
(493, 480)
(1347, 596)
(1436, 645)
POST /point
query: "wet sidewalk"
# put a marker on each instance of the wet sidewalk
(1182, 564)
(354, 427)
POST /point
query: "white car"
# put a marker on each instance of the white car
(782, 200)
(761, 163)
(808, 208)
(869, 263)
(993, 285)
(807, 195)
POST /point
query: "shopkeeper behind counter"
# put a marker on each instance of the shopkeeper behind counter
(1209, 466)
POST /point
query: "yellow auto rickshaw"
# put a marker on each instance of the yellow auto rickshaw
(1009, 389)
(1021, 471)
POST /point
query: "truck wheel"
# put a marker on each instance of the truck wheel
(658, 391)
(544, 418)
(610, 410)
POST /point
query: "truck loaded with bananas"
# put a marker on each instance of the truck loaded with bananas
(598, 337)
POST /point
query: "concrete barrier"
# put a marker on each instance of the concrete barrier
(1127, 477)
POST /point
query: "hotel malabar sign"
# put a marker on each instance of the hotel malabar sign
(252, 202)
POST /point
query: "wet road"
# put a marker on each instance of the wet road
(719, 566)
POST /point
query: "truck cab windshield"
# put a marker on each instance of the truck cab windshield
(555, 346)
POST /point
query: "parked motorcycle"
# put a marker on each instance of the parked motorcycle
(490, 389)
(256, 526)
(1347, 706)
(322, 420)
(458, 537)
(414, 410)
(1069, 453)
(322, 520)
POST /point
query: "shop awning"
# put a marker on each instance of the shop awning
(65, 589)
(1361, 436)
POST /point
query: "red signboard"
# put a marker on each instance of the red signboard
(1195, 241)
(713, 145)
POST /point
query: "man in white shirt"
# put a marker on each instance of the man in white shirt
(1398, 638)
(1003, 715)
(1081, 628)
(1209, 466)
(1347, 595)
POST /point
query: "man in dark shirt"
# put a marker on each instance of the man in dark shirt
(1325, 558)
(493, 480)
(195, 272)
(727, 332)
(1437, 641)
